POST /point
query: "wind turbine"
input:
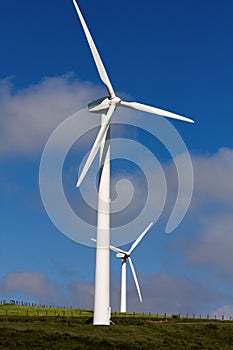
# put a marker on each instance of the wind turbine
(123, 255)
(106, 107)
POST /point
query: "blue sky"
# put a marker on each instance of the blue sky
(173, 55)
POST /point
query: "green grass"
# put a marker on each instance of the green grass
(19, 331)
(18, 310)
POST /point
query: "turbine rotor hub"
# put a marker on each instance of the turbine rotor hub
(116, 100)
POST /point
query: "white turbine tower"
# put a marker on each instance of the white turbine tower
(106, 107)
(123, 255)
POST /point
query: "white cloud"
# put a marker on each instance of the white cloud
(38, 287)
(213, 245)
(225, 312)
(161, 293)
(173, 294)
(82, 294)
(28, 116)
(209, 239)
(213, 179)
(213, 186)
(33, 285)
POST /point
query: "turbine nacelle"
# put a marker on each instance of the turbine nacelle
(122, 255)
(101, 105)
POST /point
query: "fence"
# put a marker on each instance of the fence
(16, 308)
(166, 316)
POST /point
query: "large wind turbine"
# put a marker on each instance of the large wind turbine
(106, 107)
(123, 255)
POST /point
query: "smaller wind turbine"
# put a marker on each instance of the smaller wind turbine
(121, 254)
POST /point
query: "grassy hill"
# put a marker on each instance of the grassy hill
(22, 328)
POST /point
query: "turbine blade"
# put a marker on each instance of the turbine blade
(117, 250)
(154, 110)
(99, 64)
(135, 278)
(140, 237)
(97, 143)
(114, 249)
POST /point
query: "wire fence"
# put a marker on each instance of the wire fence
(16, 308)
(166, 316)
